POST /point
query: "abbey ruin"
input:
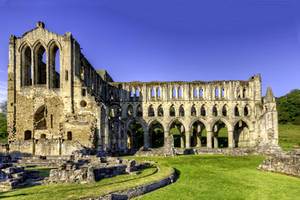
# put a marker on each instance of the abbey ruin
(59, 103)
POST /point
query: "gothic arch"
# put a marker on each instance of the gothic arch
(203, 121)
(26, 65)
(225, 121)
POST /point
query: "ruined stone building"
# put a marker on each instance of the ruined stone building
(58, 103)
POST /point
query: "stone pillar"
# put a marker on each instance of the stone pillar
(209, 141)
(146, 139)
(198, 136)
(187, 138)
(216, 144)
(106, 135)
(119, 137)
(230, 139)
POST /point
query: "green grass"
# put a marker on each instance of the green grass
(79, 191)
(224, 177)
(289, 136)
(43, 171)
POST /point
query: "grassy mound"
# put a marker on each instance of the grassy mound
(224, 177)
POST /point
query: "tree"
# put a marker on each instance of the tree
(3, 125)
(3, 107)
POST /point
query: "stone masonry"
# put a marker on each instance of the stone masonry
(58, 103)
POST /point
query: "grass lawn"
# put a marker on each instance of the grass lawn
(224, 177)
(289, 136)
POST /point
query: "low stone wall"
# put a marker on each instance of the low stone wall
(271, 150)
(284, 163)
(140, 190)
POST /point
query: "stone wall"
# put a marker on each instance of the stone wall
(284, 163)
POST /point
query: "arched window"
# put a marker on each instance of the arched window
(139, 111)
(132, 93)
(238, 95)
(150, 111)
(160, 111)
(43, 136)
(172, 111)
(40, 61)
(55, 66)
(217, 92)
(203, 112)
(201, 92)
(158, 92)
(152, 93)
(40, 118)
(215, 111)
(137, 93)
(193, 111)
(246, 110)
(180, 93)
(222, 92)
(224, 111)
(129, 110)
(69, 135)
(26, 67)
(195, 92)
(236, 111)
(27, 135)
(244, 93)
(181, 111)
(174, 93)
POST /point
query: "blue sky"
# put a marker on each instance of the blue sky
(171, 39)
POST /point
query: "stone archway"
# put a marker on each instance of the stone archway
(178, 131)
(40, 118)
(241, 134)
(220, 134)
(156, 134)
(136, 132)
(198, 134)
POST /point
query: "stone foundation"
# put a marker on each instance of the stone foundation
(284, 163)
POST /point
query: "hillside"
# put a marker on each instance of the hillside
(288, 107)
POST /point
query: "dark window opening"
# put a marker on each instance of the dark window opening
(69, 135)
(41, 65)
(150, 111)
(236, 111)
(83, 92)
(160, 111)
(181, 111)
(27, 135)
(43, 136)
(26, 67)
(215, 111)
(172, 111)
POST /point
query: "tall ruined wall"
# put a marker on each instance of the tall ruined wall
(57, 106)
(45, 112)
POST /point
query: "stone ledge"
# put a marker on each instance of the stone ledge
(139, 190)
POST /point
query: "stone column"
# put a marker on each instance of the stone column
(187, 138)
(198, 136)
(106, 135)
(230, 139)
(146, 140)
(208, 138)
(216, 144)
(119, 137)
